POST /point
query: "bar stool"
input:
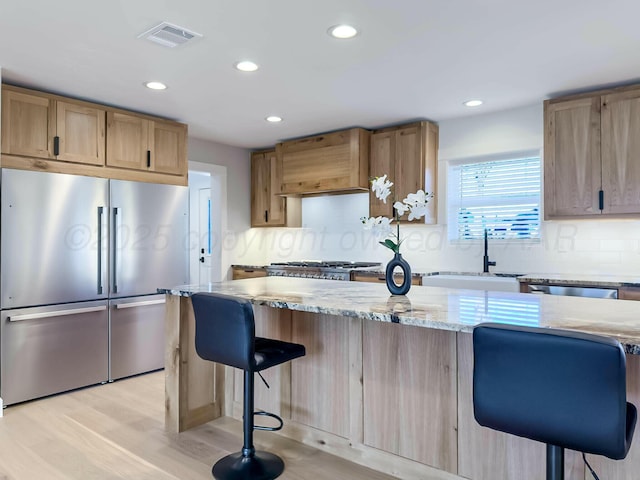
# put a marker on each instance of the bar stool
(225, 333)
(565, 389)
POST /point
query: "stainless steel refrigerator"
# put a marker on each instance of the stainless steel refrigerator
(80, 261)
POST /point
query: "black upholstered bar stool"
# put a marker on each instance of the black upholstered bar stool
(225, 333)
(565, 389)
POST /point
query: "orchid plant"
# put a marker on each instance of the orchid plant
(415, 204)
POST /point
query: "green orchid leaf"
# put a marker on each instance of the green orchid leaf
(390, 244)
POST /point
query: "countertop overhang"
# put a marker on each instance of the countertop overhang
(437, 308)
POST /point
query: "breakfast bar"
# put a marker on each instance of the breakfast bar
(386, 381)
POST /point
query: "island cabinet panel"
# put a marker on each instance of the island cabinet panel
(276, 324)
(330, 163)
(409, 381)
(486, 454)
(628, 468)
(194, 388)
(320, 381)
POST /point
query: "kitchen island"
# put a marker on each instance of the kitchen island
(387, 380)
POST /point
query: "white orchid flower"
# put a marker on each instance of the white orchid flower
(381, 187)
(401, 208)
(382, 227)
(368, 222)
(418, 212)
(416, 199)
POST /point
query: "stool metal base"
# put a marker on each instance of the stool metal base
(258, 466)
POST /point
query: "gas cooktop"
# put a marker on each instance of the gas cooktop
(326, 264)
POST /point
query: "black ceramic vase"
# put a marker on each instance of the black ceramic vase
(403, 288)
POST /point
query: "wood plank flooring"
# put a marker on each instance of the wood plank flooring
(116, 431)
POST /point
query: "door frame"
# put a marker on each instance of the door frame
(219, 259)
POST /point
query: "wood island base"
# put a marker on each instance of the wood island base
(396, 398)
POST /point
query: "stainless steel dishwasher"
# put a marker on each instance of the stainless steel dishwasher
(591, 292)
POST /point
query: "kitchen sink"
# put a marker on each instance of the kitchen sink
(500, 282)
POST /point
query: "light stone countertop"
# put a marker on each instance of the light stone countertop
(438, 308)
(585, 279)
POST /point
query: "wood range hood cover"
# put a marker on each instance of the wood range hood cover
(332, 163)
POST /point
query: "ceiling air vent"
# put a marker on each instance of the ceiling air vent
(169, 35)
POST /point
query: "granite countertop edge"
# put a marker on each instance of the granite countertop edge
(433, 307)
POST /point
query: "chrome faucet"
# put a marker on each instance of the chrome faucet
(486, 263)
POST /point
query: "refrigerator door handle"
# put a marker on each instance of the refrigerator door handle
(56, 313)
(100, 211)
(120, 306)
(114, 231)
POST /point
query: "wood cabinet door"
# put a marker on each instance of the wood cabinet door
(572, 167)
(621, 152)
(168, 146)
(332, 162)
(28, 124)
(81, 133)
(267, 209)
(127, 141)
(381, 162)
(260, 189)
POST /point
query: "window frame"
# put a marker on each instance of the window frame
(452, 226)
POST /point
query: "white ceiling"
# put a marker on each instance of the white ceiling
(413, 58)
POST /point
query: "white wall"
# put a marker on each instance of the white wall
(331, 229)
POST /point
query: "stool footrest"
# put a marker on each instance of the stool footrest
(267, 414)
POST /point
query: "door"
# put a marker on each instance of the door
(28, 124)
(137, 335)
(572, 170)
(47, 350)
(620, 152)
(168, 146)
(81, 132)
(205, 240)
(53, 238)
(149, 244)
(127, 141)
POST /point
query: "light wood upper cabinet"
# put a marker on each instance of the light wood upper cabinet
(267, 208)
(81, 133)
(331, 163)
(168, 146)
(138, 143)
(572, 157)
(28, 124)
(408, 154)
(46, 132)
(591, 151)
(127, 141)
(40, 126)
(621, 152)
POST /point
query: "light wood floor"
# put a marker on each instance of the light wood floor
(116, 431)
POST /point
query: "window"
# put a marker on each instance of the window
(501, 196)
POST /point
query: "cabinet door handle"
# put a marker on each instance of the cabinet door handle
(148, 158)
(266, 215)
(56, 146)
(601, 200)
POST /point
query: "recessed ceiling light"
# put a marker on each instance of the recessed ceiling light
(246, 66)
(472, 103)
(155, 85)
(273, 119)
(342, 31)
